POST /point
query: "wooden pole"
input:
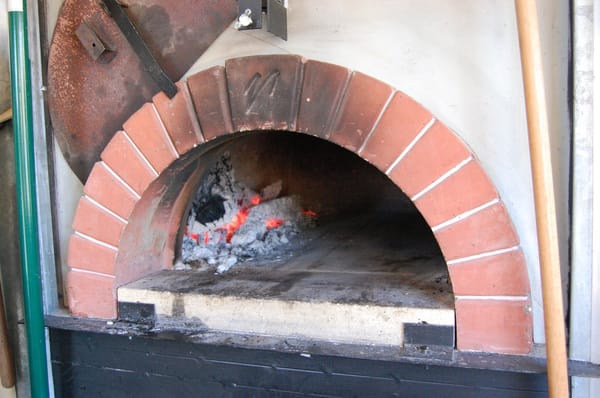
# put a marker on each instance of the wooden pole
(543, 187)
(7, 367)
(6, 115)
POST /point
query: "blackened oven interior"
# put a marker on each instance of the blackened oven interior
(364, 222)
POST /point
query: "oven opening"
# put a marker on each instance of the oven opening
(289, 235)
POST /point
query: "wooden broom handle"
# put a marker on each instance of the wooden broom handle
(7, 370)
(543, 187)
(6, 115)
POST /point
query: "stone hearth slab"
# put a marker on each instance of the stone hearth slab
(357, 306)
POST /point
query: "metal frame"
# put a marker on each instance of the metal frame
(595, 349)
(43, 166)
(585, 232)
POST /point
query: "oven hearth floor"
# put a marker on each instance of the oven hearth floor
(373, 281)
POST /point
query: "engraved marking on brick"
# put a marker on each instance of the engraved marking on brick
(259, 88)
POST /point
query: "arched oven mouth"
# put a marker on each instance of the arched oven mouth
(290, 235)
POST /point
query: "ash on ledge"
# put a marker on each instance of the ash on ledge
(229, 223)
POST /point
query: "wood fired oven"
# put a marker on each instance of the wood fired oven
(408, 221)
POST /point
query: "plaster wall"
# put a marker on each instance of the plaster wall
(460, 60)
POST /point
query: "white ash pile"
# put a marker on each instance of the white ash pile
(229, 223)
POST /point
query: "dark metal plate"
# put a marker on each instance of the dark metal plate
(89, 100)
(277, 18)
(138, 45)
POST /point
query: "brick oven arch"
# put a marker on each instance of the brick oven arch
(137, 186)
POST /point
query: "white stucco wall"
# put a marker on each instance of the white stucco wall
(459, 59)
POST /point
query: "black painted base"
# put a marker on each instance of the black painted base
(90, 365)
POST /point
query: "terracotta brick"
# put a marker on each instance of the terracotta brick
(87, 255)
(104, 188)
(124, 160)
(501, 326)
(208, 90)
(97, 223)
(399, 125)
(464, 190)
(433, 155)
(147, 132)
(322, 92)
(485, 231)
(91, 295)
(498, 275)
(264, 91)
(179, 118)
(363, 102)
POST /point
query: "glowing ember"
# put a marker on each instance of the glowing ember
(273, 223)
(256, 200)
(309, 213)
(229, 223)
(238, 220)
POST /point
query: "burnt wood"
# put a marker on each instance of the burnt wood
(87, 364)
